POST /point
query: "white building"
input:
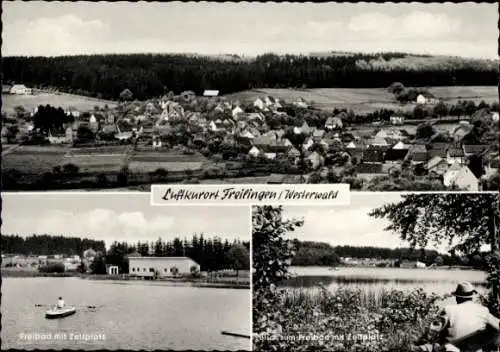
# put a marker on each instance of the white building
(161, 266)
(21, 89)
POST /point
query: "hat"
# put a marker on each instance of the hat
(60, 297)
(464, 290)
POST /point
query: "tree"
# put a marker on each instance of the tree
(238, 257)
(465, 221)
(438, 260)
(84, 134)
(98, 265)
(272, 255)
(425, 131)
(396, 88)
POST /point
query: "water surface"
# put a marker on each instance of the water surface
(138, 315)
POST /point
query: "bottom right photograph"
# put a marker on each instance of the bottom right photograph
(388, 272)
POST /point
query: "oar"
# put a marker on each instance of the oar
(52, 305)
(235, 334)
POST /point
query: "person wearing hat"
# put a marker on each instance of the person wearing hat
(60, 303)
(465, 326)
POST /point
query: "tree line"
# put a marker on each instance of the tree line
(152, 75)
(211, 253)
(310, 253)
(48, 245)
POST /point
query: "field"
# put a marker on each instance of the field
(34, 159)
(170, 161)
(365, 100)
(93, 160)
(63, 100)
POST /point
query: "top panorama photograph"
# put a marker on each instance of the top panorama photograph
(120, 96)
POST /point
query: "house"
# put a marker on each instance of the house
(397, 120)
(462, 177)
(417, 154)
(437, 166)
(459, 132)
(302, 129)
(272, 102)
(369, 171)
(254, 151)
(56, 137)
(20, 89)
(373, 156)
(260, 104)
(154, 267)
(318, 135)
(210, 93)
(236, 112)
(293, 153)
(378, 142)
(407, 264)
(495, 116)
(491, 167)
(301, 103)
(6, 88)
(256, 116)
(333, 123)
(426, 98)
(474, 149)
(455, 155)
(316, 160)
(438, 149)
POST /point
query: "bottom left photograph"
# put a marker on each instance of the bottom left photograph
(100, 271)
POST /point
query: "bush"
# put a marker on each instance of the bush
(395, 319)
(52, 268)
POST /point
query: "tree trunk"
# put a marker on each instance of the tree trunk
(492, 228)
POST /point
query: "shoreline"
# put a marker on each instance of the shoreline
(228, 282)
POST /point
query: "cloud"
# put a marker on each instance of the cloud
(66, 34)
(273, 30)
(351, 226)
(418, 24)
(99, 224)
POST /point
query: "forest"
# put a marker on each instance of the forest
(212, 253)
(48, 245)
(323, 254)
(153, 75)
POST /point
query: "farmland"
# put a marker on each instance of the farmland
(141, 162)
(366, 100)
(34, 159)
(63, 100)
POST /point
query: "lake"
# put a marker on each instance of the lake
(134, 315)
(440, 281)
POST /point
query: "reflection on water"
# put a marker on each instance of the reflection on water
(131, 317)
(440, 281)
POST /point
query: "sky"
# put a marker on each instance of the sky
(121, 217)
(67, 28)
(350, 225)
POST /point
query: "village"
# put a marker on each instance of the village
(209, 138)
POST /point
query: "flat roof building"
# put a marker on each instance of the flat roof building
(161, 266)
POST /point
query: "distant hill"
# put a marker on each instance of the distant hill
(152, 75)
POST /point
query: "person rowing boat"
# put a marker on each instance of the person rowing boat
(60, 303)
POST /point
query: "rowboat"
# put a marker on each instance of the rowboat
(56, 313)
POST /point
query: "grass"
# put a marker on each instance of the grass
(34, 159)
(30, 102)
(350, 320)
(365, 100)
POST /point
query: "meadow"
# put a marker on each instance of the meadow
(63, 100)
(366, 100)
